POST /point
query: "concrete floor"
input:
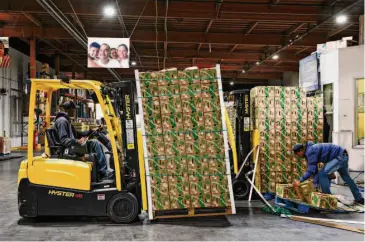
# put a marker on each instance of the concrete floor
(248, 224)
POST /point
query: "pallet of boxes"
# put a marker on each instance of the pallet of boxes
(185, 143)
(5, 146)
(284, 116)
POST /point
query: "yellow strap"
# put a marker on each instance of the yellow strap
(231, 137)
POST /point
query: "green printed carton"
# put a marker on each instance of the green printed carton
(325, 201)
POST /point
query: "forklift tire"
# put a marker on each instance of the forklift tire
(241, 188)
(123, 208)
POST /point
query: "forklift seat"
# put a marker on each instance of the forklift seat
(55, 147)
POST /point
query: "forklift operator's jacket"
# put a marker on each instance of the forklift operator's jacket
(67, 134)
(316, 153)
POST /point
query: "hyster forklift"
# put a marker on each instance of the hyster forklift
(61, 182)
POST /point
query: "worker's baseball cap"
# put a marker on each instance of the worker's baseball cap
(297, 147)
(68, 105)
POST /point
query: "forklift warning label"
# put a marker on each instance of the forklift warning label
(130, 139)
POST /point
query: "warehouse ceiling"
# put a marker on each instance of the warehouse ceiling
(239, 35)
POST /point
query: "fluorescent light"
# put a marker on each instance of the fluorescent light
(109, 11)
(231, 83)
(133, 63)
(275, 57)
(243, 71)
(341, 19)
(257, 63)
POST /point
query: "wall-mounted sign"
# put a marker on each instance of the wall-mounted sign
(4, 52)
(108, 52)
(308, 73)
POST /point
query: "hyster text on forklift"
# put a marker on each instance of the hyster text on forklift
(61, 182)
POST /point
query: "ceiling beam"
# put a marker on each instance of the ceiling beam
(337, 31)
(218, 7)
(33, 19)
(181, 9)
(302, 50)
(234, 47)
(209, 25)
(252, 26)
(294, 28)
(174, 36)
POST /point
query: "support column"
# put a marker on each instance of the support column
(32, 59)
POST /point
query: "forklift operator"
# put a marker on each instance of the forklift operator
(70, 137)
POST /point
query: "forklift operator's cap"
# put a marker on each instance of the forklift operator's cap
(297, 148)
(68, 105)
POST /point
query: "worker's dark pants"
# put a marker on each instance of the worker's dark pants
(339, 164)
(93, 146)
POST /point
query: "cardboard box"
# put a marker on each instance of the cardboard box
(178, 188)
(283, 103)
(212, 121)
(172, 122)
(263, 91)
(195, 147)
(189, 76)
(155, 148)
(159, 186)
(213, 135)
(5, 146)
(221, 200)
(211, 105)
(180, 202)
(306, 189)
(210, 90)
(282, 92)
(285, 191)
(170, 77)
(177, 165)
(176, 148)
(190, 91)
(297, 93)
(264, 102)
(151, 106)
(153, 125)
(192, 105)
(157, 164)
(171, 105)
(215, 147)
(200, 187)
(201, 201)
(325, 201)
(264, 113)
(194, 121)
(208, 75)
(161, 203)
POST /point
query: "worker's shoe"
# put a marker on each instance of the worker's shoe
(360, 201)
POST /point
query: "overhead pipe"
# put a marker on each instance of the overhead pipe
(70, 29)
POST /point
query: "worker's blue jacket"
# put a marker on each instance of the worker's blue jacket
(316, 153)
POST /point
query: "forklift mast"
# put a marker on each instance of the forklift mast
(243, 133)
(124, 104)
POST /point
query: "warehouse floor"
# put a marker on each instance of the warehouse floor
(248, 224)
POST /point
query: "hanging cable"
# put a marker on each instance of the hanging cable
(167, 9)
(126, 30)
(156, 43)
(77, 18)
(139, 17)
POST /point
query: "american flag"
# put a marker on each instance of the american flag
(5, 61)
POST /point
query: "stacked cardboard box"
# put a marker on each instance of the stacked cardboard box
(5, 146)
(281, 115)
(184, 139)
(321, 200)
(81, 127)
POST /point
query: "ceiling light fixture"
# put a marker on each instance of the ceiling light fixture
(231, 83)
(243, 71)
(275, 57)
(133, 63)
(257, 63)
(109, 11)
(341, 19)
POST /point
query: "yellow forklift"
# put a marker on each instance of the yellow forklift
(61, 183)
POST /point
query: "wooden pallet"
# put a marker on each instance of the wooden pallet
(192, 212)
(300, 207)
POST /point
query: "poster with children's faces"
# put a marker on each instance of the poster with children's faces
(4, 52)
(108, 52)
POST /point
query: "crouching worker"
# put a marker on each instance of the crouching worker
(70, 137)
(335, 158)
